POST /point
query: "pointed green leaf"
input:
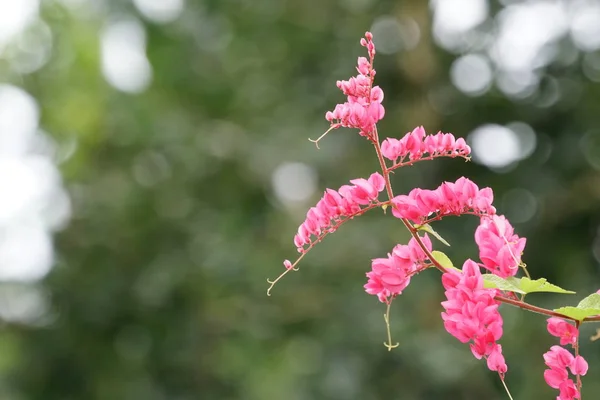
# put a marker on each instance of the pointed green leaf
(587, 307)
(578, 313)
(427, 228)
(592, 301)
(540, 285)
(491, 281)
(443, 259)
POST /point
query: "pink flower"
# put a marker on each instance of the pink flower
(417, 144)
(568, 391)
(287, 264)
(499, 248)
(450, 198)
(567, 332)
(471, 314)
(579, 366)
(495, 361)
(335, 206)
(558, 359)
(390, 276)
(362, 109)
(554, 377)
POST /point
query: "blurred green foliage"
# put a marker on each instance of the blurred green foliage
(159, 287)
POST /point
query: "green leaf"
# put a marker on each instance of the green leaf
(578, 313)
(491, 281)
(592, 301)
(443, 259)
(522, 285)
(427, 228)
(587, 307)
(540, 285)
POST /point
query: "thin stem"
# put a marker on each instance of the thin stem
(506, 388)
(577, 354)
(595, 318)
(334, 227)
(532, 308)
(428, 158)
(316, 142)
(384, 169)
(386, 317)
(386, 176)
(284, 273)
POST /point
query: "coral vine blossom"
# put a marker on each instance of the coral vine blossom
(363, 108)
(499, 248)
(337, 205)
(471, 311)
(390, 276)
(558, 359)
(418, 144)
(472, 314)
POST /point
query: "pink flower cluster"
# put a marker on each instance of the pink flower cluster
(499, 248)
(472, 314)
(558, 359)
(336, 205)
(363, 108)
(449, 198)
(557, 377)
(417, 144)
(390, 276)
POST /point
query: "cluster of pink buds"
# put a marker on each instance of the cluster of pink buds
(472, 314)
(558, 359)
(460, 197)
(417, 144)
(390, 276)
(363, 108)
(500, 248)
(335, 206)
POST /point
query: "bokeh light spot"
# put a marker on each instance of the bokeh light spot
(294, 182)
(527, 138)
(22, 303)
(31, 49)
(19, 116)
(520, 205)
(471, 74)
(453, 19)
(391, 35)
(15, 15)
(161, 11)
(494, 145)
(124, 62)
(590, 147)
(585, 25)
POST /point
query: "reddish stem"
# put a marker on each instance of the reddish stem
(576, 354)
(430, 157)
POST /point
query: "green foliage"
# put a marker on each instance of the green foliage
(427, 228)
(588, 307)
(494, 281)
(522, 285)
(443, 259)
(540, 285)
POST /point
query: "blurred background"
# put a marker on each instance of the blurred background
(154, 167)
